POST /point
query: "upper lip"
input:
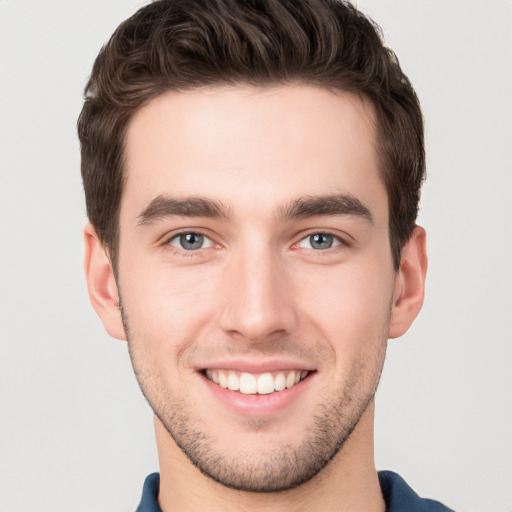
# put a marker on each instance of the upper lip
(255, 366)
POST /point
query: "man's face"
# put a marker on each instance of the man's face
(254, 254)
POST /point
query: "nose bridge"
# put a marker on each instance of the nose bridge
(258, 303)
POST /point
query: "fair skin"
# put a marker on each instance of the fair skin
(254, 250)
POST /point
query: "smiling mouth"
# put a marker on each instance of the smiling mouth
(256, 384)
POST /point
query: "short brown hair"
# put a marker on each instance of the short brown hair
(176, 45)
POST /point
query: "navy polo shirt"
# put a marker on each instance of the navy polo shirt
(399, 497)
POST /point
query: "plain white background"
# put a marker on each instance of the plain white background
(75, 432)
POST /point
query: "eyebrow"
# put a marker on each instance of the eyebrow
(164, 206)
(315, 206)
(309, 206)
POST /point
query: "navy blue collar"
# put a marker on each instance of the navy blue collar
(149, 500)
(399, 497)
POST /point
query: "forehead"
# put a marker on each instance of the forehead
(240, 143)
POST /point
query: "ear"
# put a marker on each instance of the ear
(409, 284)
(101, 284)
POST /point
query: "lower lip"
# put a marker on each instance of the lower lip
(258, 405)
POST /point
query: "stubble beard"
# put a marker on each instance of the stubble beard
(276, 469)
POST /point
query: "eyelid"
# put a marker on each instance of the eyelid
(342, 239)
(165, 241)
(177, 236)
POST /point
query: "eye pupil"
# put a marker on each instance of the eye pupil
(191, 241)
(321, 241)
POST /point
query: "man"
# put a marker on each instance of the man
(252, 173)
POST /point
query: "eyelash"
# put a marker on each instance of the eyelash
(188, 252)
(338, 243)
(342, 242)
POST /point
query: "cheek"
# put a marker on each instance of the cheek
(349, 306)
(166, 306)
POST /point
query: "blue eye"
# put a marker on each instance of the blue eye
(190, 241)
(319, 241)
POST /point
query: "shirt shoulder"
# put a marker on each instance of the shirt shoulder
(399, 497)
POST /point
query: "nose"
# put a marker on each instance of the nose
(258, 303)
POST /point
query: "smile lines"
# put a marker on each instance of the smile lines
(250, 384)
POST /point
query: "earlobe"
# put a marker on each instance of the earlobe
(409, 284)
(101, 284)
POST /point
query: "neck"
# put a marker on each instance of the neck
(349, 482)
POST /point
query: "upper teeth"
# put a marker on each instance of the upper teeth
(251, 384)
